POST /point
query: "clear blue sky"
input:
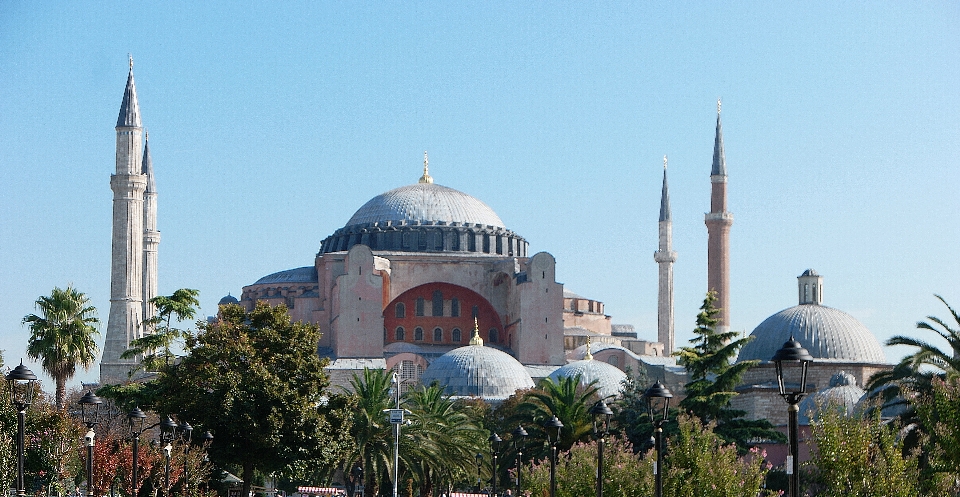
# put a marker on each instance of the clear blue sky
(270, 124)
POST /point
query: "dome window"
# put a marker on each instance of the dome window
(457, 336)
(437, 335)
(399, 334)
(418, 334)
(401, 310)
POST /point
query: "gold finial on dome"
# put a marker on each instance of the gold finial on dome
(426, 170)
(476, 340)
(588, 356)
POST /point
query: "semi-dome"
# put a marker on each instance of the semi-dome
(427, 217)
(827, 333)
(229, 299)
(842, 394)
(609, 379)
(478, 371)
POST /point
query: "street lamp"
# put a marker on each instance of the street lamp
(494, 453)
(135, 418)
(601, 427)
(479, 457)
(168, 432)
(518, 436)
(552, 428)
(22, 383)
(796, 358)
(186, 433)
(658, 404)
(90, 412)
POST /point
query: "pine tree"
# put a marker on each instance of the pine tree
(714, 378)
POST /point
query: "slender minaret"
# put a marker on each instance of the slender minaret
(665, 257)
(126, 272)
(718, 222)
(151, 237)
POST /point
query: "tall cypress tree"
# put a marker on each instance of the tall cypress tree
(714, 378)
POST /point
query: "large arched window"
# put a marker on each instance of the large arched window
(457, 335)
(401, 310)
(418, 334)
(493, 335)
(437, 335)
(455, 307)
(419, 306)
(399, 334)
(437, 303)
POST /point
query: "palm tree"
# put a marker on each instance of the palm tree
(62, 336)
(371, 428)
(159, 334)
(568, 401)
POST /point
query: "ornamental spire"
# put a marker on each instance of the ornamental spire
(476, 340)
(426, 170)
(719, 160)
(588, 356)
(664, 195)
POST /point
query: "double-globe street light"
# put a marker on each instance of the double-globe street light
(168, 433)
(601, 428)
(135, 420)
(796, 359)
(494, 454)
(658, 405)
(479, 458)
(518, 435)
(552, 427)
(22, 383)
(90, 414)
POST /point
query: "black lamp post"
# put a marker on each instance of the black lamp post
(22, 383)
(658, 405)
(135, 418)
(518, 436)
(552, 427)
(601, 427)
(90, 412)
(479, 457)
(794, 375)
(186, 433)
(168, 432)
(494, 453)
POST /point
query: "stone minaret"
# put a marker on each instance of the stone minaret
(718, 222)
(151, 237)
(126, 272)
(665, 257)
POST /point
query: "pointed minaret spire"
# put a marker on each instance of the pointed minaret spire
(129, 108)
(718, 222)
(665, 257)
(426, 170)
(587, 356)
(476, 340)
(151, 236)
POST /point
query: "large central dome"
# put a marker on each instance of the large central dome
(426, 203)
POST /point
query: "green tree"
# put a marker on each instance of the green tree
(630, 410)
(370, 429)
(62, 336)
(939, 412)
(568, 401)
(714, 377)
(624, 474)
(254, 380)
(860, 458)
(159, 333)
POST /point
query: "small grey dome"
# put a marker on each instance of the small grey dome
(842, 394)
(809, 272)
(827, 333)
(229, 299)
(475, 370)
(426, 202)
(609, 379)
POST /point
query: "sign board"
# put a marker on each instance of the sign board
(396, 416)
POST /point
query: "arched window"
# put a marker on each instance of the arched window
(419, 306)
(457, 337)
(437, 303)
(401, 310)
(437, 335)
(614, 361)
(418, 334)
(475, 312)
(493, 335)
(455, 307)
(398, 334)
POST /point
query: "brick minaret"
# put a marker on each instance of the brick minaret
(126, 272)
(718, 222)
(665, 257)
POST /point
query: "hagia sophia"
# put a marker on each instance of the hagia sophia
(431, 282)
